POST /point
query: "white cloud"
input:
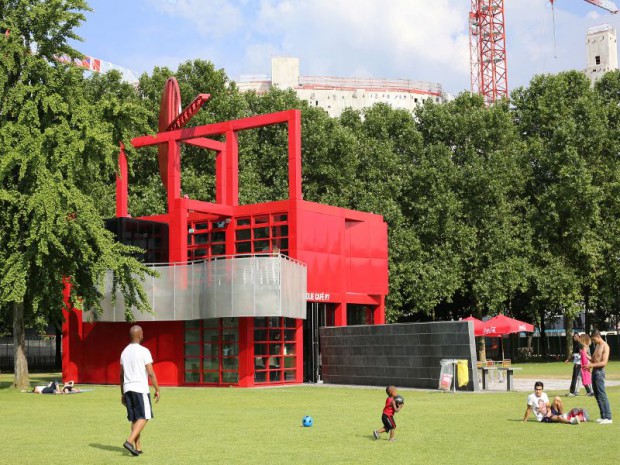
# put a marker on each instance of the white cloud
(410, 39)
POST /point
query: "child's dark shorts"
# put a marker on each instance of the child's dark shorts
(388, 422)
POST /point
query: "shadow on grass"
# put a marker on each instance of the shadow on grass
(109, 448)
(6, 379)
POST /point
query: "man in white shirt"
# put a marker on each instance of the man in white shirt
(136, 368)
(538, 402)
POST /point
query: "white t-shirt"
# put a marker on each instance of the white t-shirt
(134, 359)
(538, 404)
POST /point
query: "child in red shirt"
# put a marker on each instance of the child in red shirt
(391, 407)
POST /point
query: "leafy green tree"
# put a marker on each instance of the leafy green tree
(564, 125)
(54, 142)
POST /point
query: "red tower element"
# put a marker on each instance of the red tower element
(487, 48)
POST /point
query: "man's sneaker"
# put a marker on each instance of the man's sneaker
(599, 420)
(375, 434)
(127, 445)
(574, 421)
(606, 421)
(570, 394)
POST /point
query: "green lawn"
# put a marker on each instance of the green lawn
(559, 370)
(263, 426)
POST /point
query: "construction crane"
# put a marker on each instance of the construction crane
(487, 46)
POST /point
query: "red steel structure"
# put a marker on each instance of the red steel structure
(345, 253)
(487, 47)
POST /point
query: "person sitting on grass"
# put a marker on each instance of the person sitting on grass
(538, 402)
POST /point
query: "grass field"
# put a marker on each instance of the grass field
(560, 370)
(263, 426)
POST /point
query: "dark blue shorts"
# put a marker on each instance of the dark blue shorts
(138, 406)
(388, 422)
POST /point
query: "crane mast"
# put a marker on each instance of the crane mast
(487, 46)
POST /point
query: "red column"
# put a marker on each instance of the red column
(72, 354)
(122, 185)
(232, 169)
(299, 355)
(220, 178)
(340, 314)
(294, 156)
(246, 352)
(379, 312)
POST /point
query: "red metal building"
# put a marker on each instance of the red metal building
(244, 330)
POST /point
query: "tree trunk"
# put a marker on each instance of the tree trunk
(543, 335)
(568, 340)
(58, 355)
(20, 362)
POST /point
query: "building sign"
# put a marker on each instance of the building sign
(317, 296)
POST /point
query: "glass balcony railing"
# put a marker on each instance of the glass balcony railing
(225, 286)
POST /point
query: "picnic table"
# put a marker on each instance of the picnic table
(491, 368)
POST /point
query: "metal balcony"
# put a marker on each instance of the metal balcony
(225, 286)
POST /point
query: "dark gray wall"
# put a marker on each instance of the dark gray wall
(406, 355)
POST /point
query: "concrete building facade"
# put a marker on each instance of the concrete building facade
(334, 94)
(601, 51)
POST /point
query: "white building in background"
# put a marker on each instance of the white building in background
(601, 51)
(334, 94)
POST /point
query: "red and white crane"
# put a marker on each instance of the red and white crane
(487, 46)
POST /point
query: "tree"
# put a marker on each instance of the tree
(53, 143)
(564, 125)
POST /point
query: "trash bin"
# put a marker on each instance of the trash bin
(446, 375)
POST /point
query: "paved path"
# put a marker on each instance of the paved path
(527, 385)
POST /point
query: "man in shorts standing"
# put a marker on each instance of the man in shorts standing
(538, 402)
(600, 357)
(136, 368)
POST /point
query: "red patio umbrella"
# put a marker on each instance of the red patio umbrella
(478, 325)
(502, 324)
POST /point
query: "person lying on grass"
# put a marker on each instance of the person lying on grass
(538, 402)
(54, 388)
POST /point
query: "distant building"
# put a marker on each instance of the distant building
(601, 51)
(334, 94)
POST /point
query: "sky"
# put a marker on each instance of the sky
(423, 40)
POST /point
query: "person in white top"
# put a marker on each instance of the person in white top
(538, 402)
(136, 369)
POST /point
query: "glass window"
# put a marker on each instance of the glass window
(261, 233)
(261, 219)
(289, 335)
(279, 231)
(192, 336)
(201, 238)
(230, 363)
(201, 226)
(218, 339)
(211, 350)
(243, 234)
(260, 335)
(290, 322)
(243, 247)
(260, 322)
(218, 249)
(260, 349)
(192, 324)
(211, 363)
(279, 217)
(192, 377)
(243, 221)
(198, 253)
(261, 246)
(211, 377)
(192, 364)
(219, 236)
(192, 350)
(289, 375)
(280, 243)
